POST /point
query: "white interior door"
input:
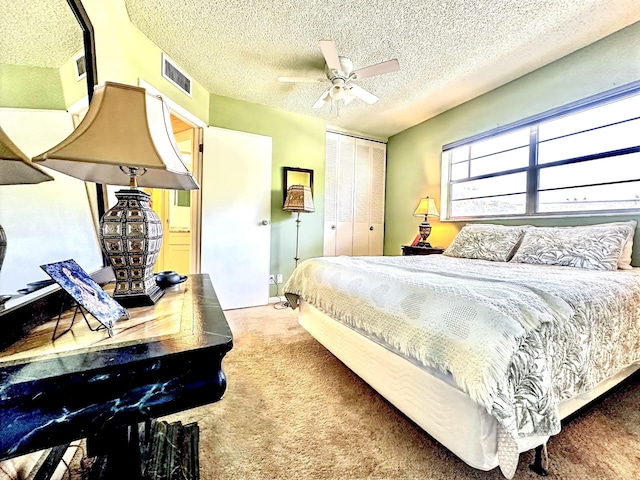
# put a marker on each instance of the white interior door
(236, 216)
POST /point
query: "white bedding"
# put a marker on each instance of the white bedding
(551, 332)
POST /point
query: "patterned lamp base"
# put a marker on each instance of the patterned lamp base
(131, 235)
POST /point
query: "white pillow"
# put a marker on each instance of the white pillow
(596, 247)
(482, 241)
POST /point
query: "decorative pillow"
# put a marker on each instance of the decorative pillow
(486, 242)
(596, 247)
(624, 262)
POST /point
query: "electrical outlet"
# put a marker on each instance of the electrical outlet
(272, 279)
(279, 278)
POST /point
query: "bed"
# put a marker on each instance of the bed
(488, 347)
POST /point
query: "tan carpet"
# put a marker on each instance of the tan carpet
(293, 411)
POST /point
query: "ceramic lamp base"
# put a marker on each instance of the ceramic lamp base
(131, 235)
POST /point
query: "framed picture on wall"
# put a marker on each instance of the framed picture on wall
(296, 176)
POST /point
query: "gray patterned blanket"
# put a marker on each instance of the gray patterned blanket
(517, 338)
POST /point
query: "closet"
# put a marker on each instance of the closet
(354, 196)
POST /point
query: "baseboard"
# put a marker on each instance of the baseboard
(277, 299)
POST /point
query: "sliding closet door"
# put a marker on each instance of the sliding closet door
(378, 163)
(344, 197)
(330, 196)
(354, 196)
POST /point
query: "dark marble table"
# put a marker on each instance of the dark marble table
(165, 359)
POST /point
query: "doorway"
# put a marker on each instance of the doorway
(175, 207)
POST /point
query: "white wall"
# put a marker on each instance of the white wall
(47, 222)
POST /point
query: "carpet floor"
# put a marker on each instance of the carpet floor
(293, 411)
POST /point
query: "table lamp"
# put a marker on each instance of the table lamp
(426, 207)
(299, 200)
(16, 169)
(126, 137)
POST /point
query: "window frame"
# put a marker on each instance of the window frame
(533, 169)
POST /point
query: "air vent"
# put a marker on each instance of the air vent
(175, 75)
(80, 66)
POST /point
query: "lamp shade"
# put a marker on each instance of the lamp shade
(427, 207)
(15, 167)
(124, 127)
(299, 199)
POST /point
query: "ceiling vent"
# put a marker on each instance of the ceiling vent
(80, 66)
(175, 75)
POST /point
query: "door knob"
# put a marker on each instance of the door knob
(265, 222)
(333, 227)
(371, 228)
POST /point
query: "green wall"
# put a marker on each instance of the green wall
(414, 155)
(125, 55)
(298, 141)
(31, 87)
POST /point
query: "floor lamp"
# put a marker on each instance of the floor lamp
(299, 200)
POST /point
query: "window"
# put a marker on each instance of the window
(581, 158)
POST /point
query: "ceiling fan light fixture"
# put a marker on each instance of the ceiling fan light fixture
(336, 92)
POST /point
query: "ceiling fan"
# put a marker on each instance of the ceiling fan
(340, 73)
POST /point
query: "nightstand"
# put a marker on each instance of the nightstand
(411, 250)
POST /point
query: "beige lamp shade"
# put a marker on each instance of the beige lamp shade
(299, 199)
(427, 207)
(15, 167)
(124, 127)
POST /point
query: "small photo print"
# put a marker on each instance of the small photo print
(77, 283)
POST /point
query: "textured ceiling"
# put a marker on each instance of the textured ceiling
(38, 33)
(449, 51)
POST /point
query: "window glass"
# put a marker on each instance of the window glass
(605, 139)
(489, 187)
(500, 143)
(494, 206)
(460, 171)
(585, 160)
(615, 196)
(460, 154)
(594, 117)
(603, 170)
(499, 162)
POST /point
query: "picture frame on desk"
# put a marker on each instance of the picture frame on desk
(416, 240)
(85, 291)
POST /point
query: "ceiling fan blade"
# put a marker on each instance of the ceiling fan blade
(302, 79)
(321, 101)
(349, 96)
(362, 94)
(377, 69)
(330, 54)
